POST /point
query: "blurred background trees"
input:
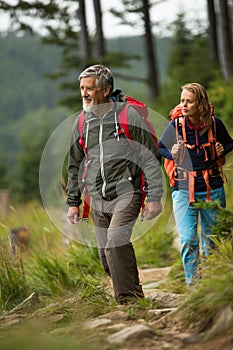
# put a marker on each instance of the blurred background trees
(48, 43)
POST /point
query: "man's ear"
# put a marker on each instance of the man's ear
(107, 91)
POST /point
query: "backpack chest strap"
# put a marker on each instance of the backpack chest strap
(191, 175)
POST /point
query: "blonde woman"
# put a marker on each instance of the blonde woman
(196, 142)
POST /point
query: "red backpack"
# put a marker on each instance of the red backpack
(142, 109)
(171, 167)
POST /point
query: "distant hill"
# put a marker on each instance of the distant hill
(28, 99)
(25, 61)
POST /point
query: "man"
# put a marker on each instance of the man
(111, 167)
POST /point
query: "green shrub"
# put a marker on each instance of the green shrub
(220, 93)
(214, 290)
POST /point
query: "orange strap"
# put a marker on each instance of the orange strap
(191, 175)
(191, 179)
(205, 174)
(210, 143)
(170, 167)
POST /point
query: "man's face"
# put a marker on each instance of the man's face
(91, 95)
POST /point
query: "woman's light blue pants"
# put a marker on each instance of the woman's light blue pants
(186, 218)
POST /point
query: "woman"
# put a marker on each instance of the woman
(196, 142)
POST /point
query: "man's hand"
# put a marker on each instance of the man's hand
(73, 215)
(152, 209)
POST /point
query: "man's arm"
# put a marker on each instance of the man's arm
(75, 169)
(149, 163)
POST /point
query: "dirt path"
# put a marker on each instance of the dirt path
(158, 328)
(169, 332)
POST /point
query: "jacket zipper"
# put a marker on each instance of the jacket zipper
(102, 158)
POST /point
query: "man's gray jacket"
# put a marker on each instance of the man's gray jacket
(112, 164)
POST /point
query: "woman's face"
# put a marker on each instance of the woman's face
(189, 104)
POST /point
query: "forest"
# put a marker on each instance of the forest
(39, 100)
(39, 72)
(31, 99)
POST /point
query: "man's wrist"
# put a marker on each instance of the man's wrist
(71, 202)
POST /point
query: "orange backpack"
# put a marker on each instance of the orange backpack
(171, 167)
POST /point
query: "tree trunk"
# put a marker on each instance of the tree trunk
(212, 33)
(153, 77)
(224, 38)
(84, 47)
(99, 42)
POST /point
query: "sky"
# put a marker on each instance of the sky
(163, 13)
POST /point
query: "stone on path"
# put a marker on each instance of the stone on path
(106, 319)
(97, 322)
(223, 321)
(168, 300)
(131, 333)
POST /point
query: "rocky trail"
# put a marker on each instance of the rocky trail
(163, 330)
(160, 329)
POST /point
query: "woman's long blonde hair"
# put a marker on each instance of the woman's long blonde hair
(203, 101)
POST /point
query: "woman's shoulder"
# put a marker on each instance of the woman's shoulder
(217, 119)
(219, 123)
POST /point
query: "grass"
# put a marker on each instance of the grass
(155, 248)
(13, 287)
(213, 292)
(53, 269)
(70, 279)
(50, 267)
(175, 282)
(28, 340)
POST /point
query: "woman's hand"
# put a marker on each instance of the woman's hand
(219, 149)
(176, 151)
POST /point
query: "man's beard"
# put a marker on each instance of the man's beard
(97, 109)
(88, 108)
(93, 108)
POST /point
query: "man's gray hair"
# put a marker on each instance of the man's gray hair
(104, 76)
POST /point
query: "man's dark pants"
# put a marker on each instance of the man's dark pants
(114, 221)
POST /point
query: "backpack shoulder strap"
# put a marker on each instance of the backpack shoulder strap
(140, 107)
(213, 128)
(80, 126)
(81, 123)
(123, 121)
(86, 196)
(180, 122)
(212, 140)
(176, 112)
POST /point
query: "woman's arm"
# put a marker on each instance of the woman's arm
(167, 140)
(223, 136)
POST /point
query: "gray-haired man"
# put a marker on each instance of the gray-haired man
(113, 177)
